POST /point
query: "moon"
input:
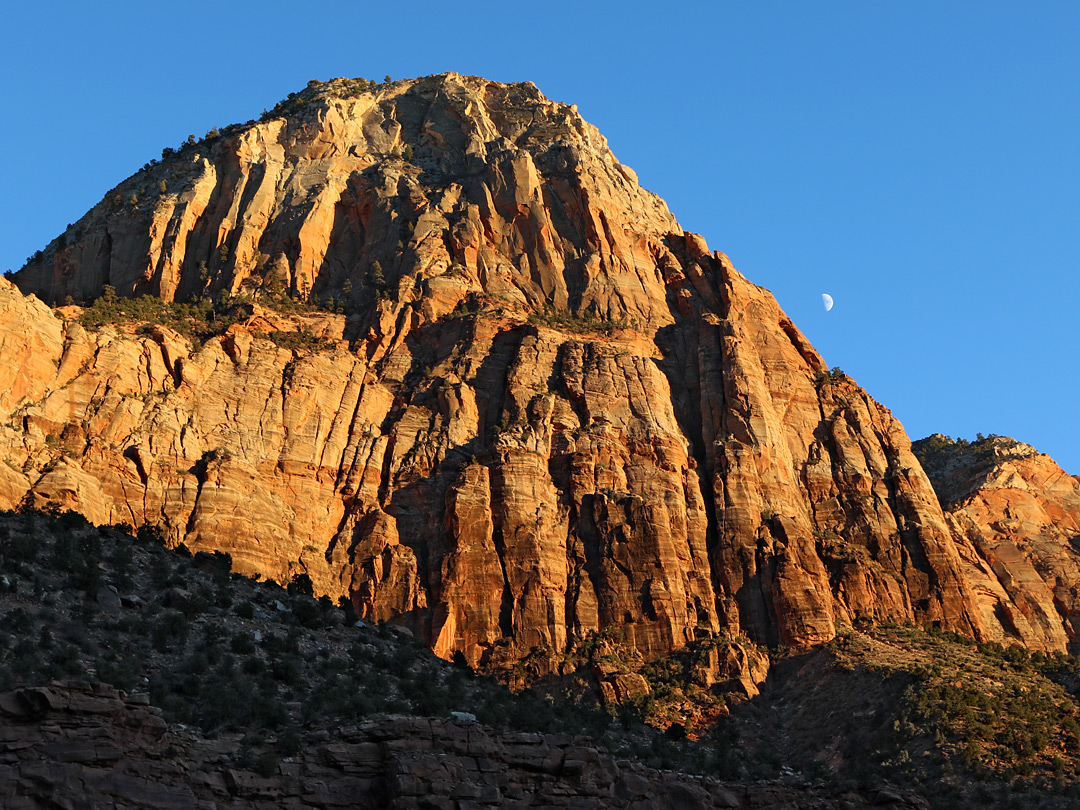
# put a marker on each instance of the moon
(826, 299)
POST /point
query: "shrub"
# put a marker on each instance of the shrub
(122, 560)
(287, 670)
(18, 621)
(289, 742)
(123, 674)
(161, 571)
(20, 548)
(300, 339)
(266, 764)
(587, 323)
(300, 585)
(308, 613)
(823, 378)
(150, 533)
(169, 630)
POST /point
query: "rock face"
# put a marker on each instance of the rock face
(545, 410)
(1016, 518)
(88, 745)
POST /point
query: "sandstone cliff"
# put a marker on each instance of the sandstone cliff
(543, 409)
(1016, 517)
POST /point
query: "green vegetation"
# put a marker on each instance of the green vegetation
(833, 375)
(205, 317)
(296, 340)
(200, 319)
(957, 715)
(967, 724)
(955, 466)
(938, 450)
(587, 323)
(224, 653)
(1000, 710)
(315, 90)
(377, 279)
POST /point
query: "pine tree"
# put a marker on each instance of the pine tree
(378, 280)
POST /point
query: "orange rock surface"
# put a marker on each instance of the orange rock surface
(545, 410)
(1016, 516)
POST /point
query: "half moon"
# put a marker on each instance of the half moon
(826, 299)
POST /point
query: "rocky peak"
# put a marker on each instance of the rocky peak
(1016, 515)
(425, 190)
(957, 467)
(454, 364)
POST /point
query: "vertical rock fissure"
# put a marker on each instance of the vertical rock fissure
(106, 252)
(507, 604)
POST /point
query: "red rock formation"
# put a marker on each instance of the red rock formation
(1016, 518)
(546, 411)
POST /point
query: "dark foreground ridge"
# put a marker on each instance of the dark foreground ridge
(132, 675)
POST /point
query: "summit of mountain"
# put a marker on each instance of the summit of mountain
(449, 184)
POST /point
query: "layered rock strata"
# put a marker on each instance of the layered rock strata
(1016, 517)
(544, 411)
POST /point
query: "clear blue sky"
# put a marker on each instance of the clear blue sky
(919, 161)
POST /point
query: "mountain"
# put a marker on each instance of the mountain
(1017, 514)
(428, 343)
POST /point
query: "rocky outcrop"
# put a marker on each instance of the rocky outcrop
(1016, 517)
(72, 744)
(451, 183)
(543, 411)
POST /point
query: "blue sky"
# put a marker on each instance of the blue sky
(918, 160)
